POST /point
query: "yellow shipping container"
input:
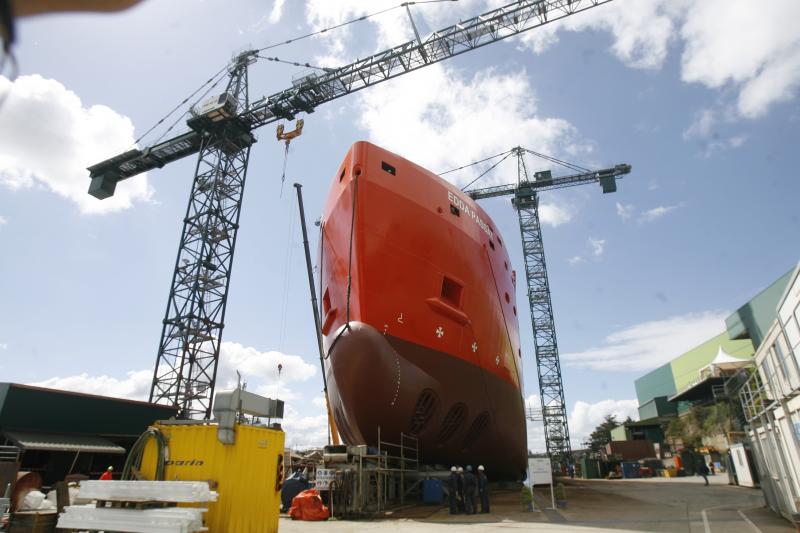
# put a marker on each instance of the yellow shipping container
(247, 474)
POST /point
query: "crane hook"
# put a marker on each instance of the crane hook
(287, 137)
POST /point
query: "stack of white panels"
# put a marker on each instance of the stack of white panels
(143, 491)
(158, 520)
(166, 520)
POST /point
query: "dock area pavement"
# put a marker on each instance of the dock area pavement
(683, 505)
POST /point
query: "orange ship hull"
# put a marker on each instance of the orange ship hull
(419, 316)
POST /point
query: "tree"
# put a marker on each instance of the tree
(699, 422)
(602, 433)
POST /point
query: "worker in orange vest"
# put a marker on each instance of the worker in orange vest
(108, 474)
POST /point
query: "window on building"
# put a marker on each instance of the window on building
(796, 425)
(792, 330)
(767, 449)
(797, 315)
(789, 364)
(780, 361)
(769, 376)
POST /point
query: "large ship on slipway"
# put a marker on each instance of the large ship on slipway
(419, 317)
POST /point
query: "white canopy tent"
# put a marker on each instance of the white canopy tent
(723, 363)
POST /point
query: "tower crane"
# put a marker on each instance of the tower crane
(525, 200)
(221, 133)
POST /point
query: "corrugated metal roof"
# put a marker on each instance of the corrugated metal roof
(62, 443)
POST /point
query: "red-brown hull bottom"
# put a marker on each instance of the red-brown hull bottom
(460, 413)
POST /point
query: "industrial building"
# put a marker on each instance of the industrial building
(672, 388)
(56, 433)
(771, 403)
(657, 390)
(712, 374)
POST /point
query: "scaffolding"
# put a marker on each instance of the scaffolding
(368, 480)
(399, 462)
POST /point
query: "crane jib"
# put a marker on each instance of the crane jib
(309, 92)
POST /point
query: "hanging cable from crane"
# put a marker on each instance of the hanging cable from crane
(464, 188)
(219, 76)
(294, 63)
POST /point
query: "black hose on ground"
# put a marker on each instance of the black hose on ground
(134, 459)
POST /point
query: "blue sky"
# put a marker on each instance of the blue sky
(700, 98)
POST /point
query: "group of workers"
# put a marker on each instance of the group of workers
(464, 486)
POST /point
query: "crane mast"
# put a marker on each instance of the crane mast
(526, 202)
(221, 134)
(188, 353)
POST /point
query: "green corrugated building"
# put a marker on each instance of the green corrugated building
(745, 330)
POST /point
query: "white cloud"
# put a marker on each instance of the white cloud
(322, 14)
(585, 417)
(13, 178)
(625, 211)
(256, 366)
(598, 246)
(135, 386)
(642, 30)
(3, 220)
(554, 215)
(391, 27)
(48, 138)
(701, 127)
(658, 212)
(431, 117)
(319, 401)
(277, 11)
(305, 431)
(741, 44)
(649, 344)
(724, 44)
(302, 431)
(737, 140)
(703, 130)
(258, 369)
(3, 346)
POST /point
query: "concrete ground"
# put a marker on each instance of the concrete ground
(660, 504)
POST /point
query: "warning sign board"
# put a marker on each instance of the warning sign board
(540, 470)
(324, 478)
